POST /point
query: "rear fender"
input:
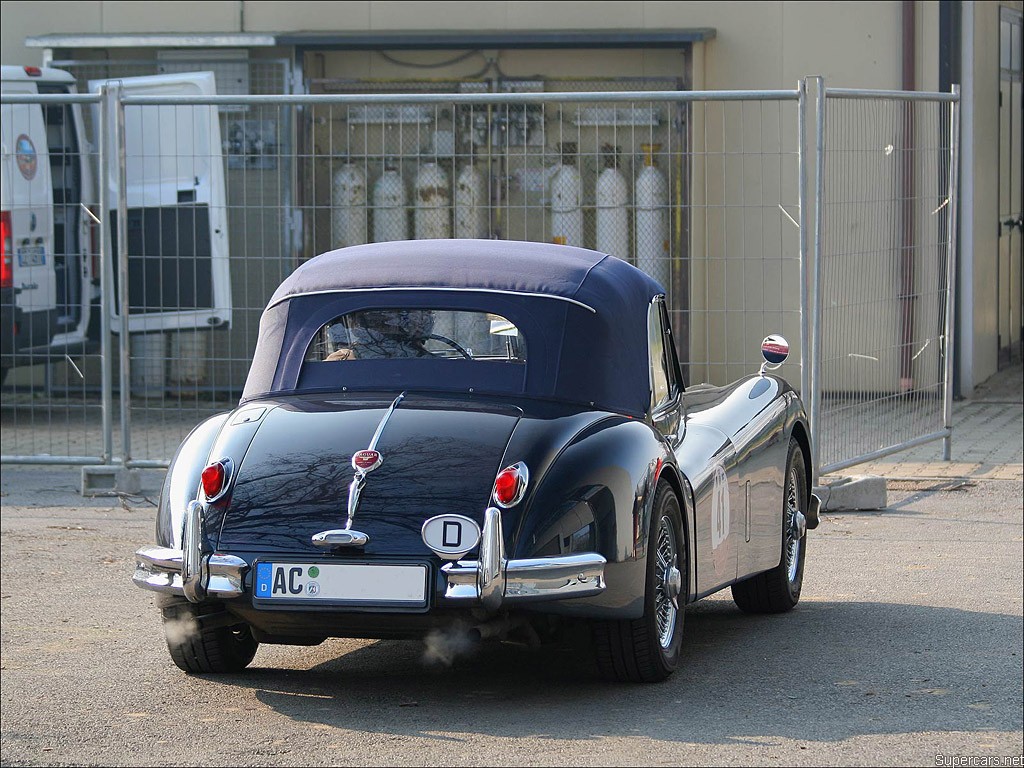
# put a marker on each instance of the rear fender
(597, 496)
(223, 436)
(181, 483)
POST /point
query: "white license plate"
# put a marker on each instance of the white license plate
(31, 256)
(341, 584)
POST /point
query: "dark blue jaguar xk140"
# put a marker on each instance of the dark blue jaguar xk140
(487, 433)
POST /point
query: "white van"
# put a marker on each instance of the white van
(176, 225)
(48, 278)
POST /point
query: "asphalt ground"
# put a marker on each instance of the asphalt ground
(906, 649)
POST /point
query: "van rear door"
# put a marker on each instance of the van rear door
(178, 271)
(27, 205)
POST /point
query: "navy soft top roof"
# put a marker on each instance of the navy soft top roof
(584, 315)
(497, 265)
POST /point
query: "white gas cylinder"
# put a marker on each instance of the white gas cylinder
(471, 214)
(566, 198)
(348, 206)
(390, 221)
(651, 226)
(611, 197)
(432, 203)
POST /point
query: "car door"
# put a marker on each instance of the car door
(704, 453)
(177, 230)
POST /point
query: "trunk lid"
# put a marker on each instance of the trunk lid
(439, 456)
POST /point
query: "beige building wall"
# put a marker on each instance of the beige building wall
(757, 45)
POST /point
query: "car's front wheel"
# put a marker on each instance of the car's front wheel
(778, 590)
(647, 650)
(201, 641)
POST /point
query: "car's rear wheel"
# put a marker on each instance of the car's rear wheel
(646, 650)
(204, 641)
(778, 590)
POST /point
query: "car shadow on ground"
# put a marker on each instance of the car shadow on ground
(826, 671)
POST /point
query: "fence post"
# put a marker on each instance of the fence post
(106, 271)
(122, 271)
(951, 271)
(805, 212)
(815, 298)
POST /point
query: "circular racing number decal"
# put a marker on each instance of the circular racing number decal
(451, 536)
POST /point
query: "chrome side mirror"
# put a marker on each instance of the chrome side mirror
(774, 350)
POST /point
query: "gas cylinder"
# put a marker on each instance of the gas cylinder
(566, 197)
(651, 226)
(390, 221)
(348, 206)
(471, 214)
(432, 203)
(611, 196)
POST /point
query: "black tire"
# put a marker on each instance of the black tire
(217, 649)
(647, 650)
(778, 590)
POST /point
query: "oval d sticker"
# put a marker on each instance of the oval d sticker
(451, 536)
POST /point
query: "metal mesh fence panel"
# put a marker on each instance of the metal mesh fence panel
(885, 266)
(743, 213)
(200, 268)
(49, 352)
(221, 200)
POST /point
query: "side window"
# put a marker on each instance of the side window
(661, 389)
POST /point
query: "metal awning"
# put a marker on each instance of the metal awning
(522, 38)
(386, 40)
(157, 40)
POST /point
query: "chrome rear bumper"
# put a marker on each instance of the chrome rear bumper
(159, 569)
(490, 581)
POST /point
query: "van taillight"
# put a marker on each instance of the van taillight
(7, 256)
(33, 71)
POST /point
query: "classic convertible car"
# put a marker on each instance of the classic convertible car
(487, 433)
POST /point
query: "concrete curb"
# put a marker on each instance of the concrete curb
(857, 492)
(110, 478)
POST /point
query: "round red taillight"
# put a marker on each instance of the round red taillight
(213, 479)
(510, 485)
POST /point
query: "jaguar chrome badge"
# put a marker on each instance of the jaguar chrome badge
(366, 460)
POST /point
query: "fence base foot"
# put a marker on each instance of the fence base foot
(110, 479)
(852, 493)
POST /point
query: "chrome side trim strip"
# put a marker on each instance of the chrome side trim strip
(445, 290)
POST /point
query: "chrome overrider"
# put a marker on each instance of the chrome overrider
(490, 581)
(190, 571)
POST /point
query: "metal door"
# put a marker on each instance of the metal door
(1011, 219)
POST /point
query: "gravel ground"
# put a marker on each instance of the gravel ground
(905, 649)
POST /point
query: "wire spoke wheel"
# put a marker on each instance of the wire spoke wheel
(794, 534)
(647, 649)
(666, 575)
